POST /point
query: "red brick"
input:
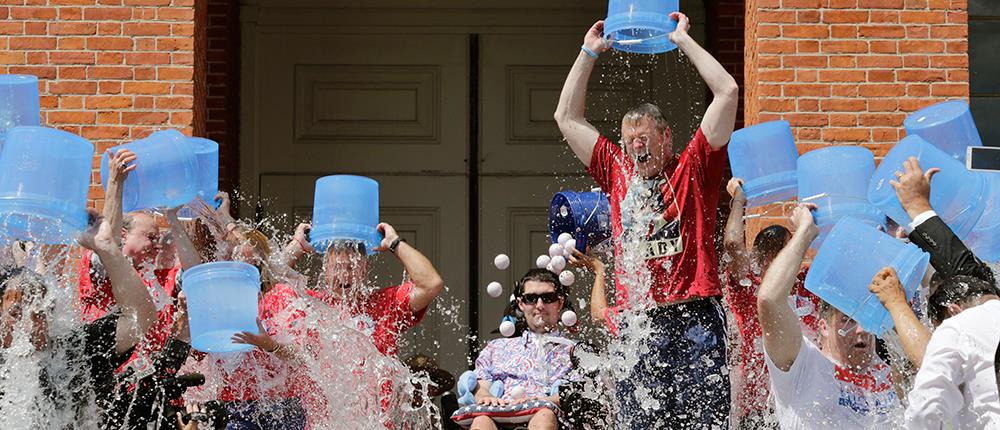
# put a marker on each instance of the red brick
(146, 29)
(843, 61)
(146, 88)
(70, 117)
(147, 2)
(835, 135)
(918, 90)
(109, 87)
(842, 76)
(805, 31)
(922, 17)
(175, 44)
(868, 61)
(844, 105)
(805, 120)
(82, 28)
(38, 13)
(844, 120)
(949, 32)
(72, 43)
(884, 120)
(949, 90)
(70, 102)
(882, 105)
(147, 58)
(928, 46)
(174, 102)
(805, 61)
(72, 87)
(882, 31)
(109, 43)
(883, 46)
(961, 61)
(793, 90)
(145, 118)
(843, 16)
(807, 105)
(881, 76)
(807, 17)
(174, 14)
(845, 46)
(884, 16)
(915, 61)
(880, 4)
(32, 43)
(907, 75)
(881, 90)
(42, 72)
(71, 57)
(107, 13)
(72, 72)
(776, 17)
(843, 31)
(105, 132)
(108, 102)
(174, 73)
(70, 13)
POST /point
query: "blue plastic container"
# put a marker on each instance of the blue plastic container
(19, 103)
(206, 151)
(584, 214)
(849, 259)
(43, 189)
(984, 239)
(641, 26)
(166, 175)
(345, 208)
(836, 180)
(765, 157)
(957, 195)
(221, 301)
(948, 126)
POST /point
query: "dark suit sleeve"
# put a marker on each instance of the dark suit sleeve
(949, 256)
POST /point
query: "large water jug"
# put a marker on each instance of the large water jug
(585, 215)
(166, 173)
(206, 152)
(221, 301)
(641, 26)
(19, 103)
(957, 195)
(43, 189)
(948, 126)
(846, 263)
(764, 156)
(836, 180)
(345, 208)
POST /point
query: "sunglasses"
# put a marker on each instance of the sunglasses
(548, 298)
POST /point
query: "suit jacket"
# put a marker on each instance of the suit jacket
(949, 256)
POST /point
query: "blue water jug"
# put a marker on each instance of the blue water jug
(846, 263)
(641, 26)
(584, 214)
(948, 126)
(206, 152)
(221, 301)
(957, 195)
(984, 239)
(764, 156)
(19, 103)
(345, 208)
(836, 180)
(166, 173)
(44, 186)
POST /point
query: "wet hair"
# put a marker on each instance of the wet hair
(352, 246)
(647, 109)
(890, 224)
(957, 290)
(825, 309)
(539, 275)
(262, 246)
(771, 239)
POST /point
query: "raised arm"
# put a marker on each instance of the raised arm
(720, 117)
(912, 334)
(137, 311)
(119, 165)
(734, 241)
(598, 294)
(949, 256)
(782, 333)
(296, 247)
(580, 134)
(427, 283)
(188, 254)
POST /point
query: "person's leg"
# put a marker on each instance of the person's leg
(241, 416)
(483, 423)
(645, 395)
(700, 373)
(544, 419)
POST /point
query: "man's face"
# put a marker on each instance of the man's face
(344, 269)
(540, 315)
(12, 310)
(141, 242)
(855, 349)
(648, 147)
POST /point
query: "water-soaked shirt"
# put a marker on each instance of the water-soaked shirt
(534, 362)
(679, 244)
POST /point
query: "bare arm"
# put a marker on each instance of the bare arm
(188, 254)
(427, 283)
(578, 132)
(720, 117)
(296, 247)
(598, 294)
(734, 241)
(118, 169)
(912, 333)
(782, 333)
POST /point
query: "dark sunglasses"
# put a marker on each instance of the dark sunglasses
(550, 297)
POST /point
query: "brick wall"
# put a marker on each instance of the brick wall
(726, 39)
(111, 71)
(222, 55)
(848, 71)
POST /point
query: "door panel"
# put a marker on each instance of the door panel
(430, 213)
(374, 103)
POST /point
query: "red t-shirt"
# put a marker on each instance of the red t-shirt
(680, 247)
(741, 294)
(384, 315)
(261, 374)
(96, 299)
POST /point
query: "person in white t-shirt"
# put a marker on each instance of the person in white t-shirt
(956, 383)
(838, 382)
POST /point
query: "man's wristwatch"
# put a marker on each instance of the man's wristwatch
(395, 244)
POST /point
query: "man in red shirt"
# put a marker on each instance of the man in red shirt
(743, 270)
(663, 213)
